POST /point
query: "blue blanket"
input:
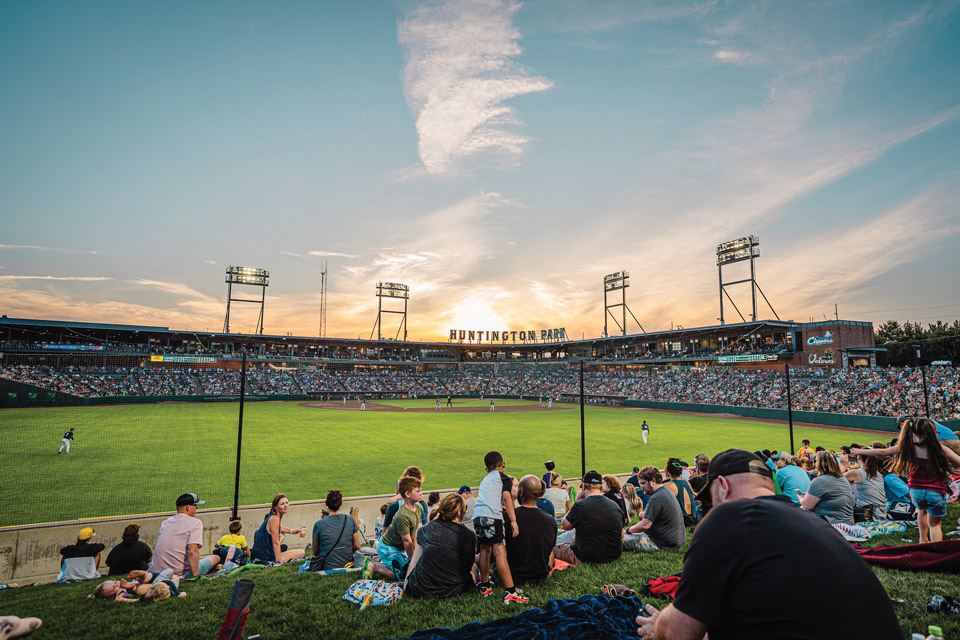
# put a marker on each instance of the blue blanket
(588, 618)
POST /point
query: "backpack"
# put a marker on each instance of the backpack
(901, 510)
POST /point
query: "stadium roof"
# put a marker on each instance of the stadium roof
(64, 324)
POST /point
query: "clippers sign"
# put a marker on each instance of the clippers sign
(817, 341)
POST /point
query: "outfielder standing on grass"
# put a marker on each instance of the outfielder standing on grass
(67, 437)
(645, 431)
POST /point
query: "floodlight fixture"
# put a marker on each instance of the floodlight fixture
(741, 250)
(615, 281)
(395, 290)
(618, 281)
(249, 276)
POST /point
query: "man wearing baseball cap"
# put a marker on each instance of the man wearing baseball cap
(80, 561)
(180, 539)
(741, 551)
(597, 520)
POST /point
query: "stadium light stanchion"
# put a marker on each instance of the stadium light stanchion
(583, 435)
(236, 476)
(786, 368)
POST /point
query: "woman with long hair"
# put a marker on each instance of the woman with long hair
(443, 560)
(267, 541)
(829, 495)
(919, 455)
(633, 500)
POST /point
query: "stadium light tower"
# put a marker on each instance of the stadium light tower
(249, 276)
(740, 250)
(618, 281)
(391, 290)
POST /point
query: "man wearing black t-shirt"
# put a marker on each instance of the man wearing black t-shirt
(748, 542)
(530, 554)
(597, 520)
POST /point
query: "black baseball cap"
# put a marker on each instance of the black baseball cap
(730, 463)
(188, 499)
(592, 477)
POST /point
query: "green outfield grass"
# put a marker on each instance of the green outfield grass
(134, 459)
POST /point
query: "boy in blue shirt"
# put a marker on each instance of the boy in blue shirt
(494, 496)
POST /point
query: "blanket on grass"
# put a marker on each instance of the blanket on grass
(867, 530)
(588, 618)
(941, 556)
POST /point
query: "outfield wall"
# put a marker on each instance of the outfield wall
(31, 553)
(876, 423)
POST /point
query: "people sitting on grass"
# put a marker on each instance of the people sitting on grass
(335, 538)
(132, 554)
(595, 526)
(633, 500)
(530, 552)
(920, 455)
(443, 561)
(744, 548)
(701, 468)
(611, 489)
(792, 479)
(829, 494)
(399, 540)
(433, 499)
(268, 540)
(142, 585)
(378, 525)
(559, 498)
(680, 488)
(494, 509)
(466, 493)
(662, 524)
(867, 483)
(179, 542)
(394, 503)
(232, 539)
(80, 561)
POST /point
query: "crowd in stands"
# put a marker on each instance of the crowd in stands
(858, 391)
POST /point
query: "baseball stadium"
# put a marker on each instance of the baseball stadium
(447, 319)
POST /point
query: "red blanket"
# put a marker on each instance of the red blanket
(932, 556)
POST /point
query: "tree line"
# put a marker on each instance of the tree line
(937, 342)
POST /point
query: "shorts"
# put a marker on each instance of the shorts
(638, 542)
(933, 502)
(395, 559)
(565, 552)
(203, 567)
(489, 531)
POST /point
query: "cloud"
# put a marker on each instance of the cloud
(332, 254)
(38, 248)
(213, 262)
(736, 57)
(284, 252)
(75, 278)
(459, 72)
(175, 288)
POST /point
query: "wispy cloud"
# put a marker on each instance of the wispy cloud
(292, 254)
(460, 70)
(39, 248)
(736, 57)
(76, 278)
(175, 288)
(213, 262)
(331, 254)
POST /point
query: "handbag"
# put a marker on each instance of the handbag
(318, 566)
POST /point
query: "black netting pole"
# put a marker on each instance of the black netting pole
(236, 475)
(583, 435)
(786, 368)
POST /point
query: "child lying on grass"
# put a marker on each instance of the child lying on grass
(147, 585)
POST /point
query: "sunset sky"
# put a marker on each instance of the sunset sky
(499, 157)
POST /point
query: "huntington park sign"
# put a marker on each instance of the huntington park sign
(526, 337)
